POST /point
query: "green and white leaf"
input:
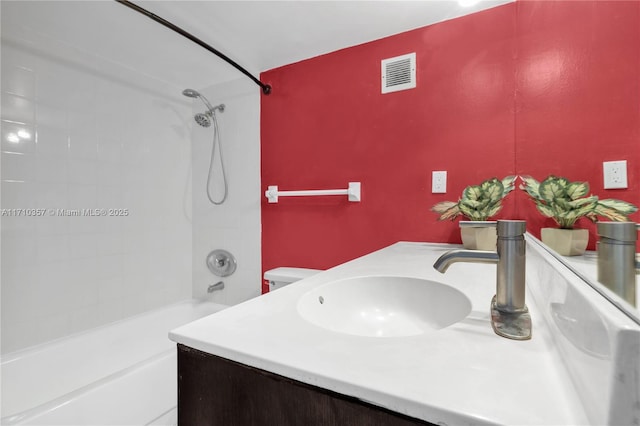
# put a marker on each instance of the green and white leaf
(582, 201)
(576, 190)
(550, 189)
(610, 213)
(531, 186)
(478, 202)
(468, 212)
(621, 206)
(494, 191)
(443, 206)
(492, 211)
(508, 184)
(473, 192)
(566, 201)
(562, 204)
(447, 210)
(573, 215)
(563, 182)
(545, 210)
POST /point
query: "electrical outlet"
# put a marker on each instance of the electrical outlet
(438, 182)
(615, 174)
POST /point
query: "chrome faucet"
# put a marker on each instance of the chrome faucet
(509, 315)
(617, 262)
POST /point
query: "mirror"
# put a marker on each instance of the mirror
(578, 105)
(586, 267)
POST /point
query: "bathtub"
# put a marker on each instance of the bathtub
(122, 373)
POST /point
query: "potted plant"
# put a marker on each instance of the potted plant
(478, 204)
(566, 202)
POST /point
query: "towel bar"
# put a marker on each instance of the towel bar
(353, 192)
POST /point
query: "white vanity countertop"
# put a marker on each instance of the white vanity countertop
(463, 374)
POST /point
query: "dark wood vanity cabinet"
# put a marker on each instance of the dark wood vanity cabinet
(216, 391)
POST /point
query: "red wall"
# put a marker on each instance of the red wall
(529, 88)
(578, 96)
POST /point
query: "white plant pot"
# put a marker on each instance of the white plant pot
(566, 242)
(479, 235)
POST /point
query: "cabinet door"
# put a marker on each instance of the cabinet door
(217, 391)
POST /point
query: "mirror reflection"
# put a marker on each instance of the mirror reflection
(577, 107)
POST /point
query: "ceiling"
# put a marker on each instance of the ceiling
(259, 35)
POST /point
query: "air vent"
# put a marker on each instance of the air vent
(399, 73)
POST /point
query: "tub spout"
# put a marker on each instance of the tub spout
(509, 315)
(217, 286)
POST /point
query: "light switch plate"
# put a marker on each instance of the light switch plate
(615, 174)
(439, 182)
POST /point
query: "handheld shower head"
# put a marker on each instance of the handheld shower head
(191, 93)
(206, 119)
(203, 119)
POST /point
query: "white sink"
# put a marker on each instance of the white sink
(381, 306)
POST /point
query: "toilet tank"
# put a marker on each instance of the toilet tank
(279, 277)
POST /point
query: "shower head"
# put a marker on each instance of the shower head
(203, 119)
(191, 93)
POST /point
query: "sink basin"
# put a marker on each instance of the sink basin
(382, 306)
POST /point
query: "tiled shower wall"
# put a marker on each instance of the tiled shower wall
(75, 139)
(234, 225)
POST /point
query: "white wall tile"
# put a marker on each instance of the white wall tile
(110, 289)
(82, 246)
(95, 143)
(83, 142)
(53, 83)
(109, 149)
(19, 167)
(51, 169)
(108, 173)
(17, 108)
(109, 266)
(18, 251)
(52, 196)
(52, 142)
(234, 225)
(82, 196)
(55, 325)
(109, 244)
(51, 294)
(18, 286)
(52, 248)
(50, 116)
(19, 80)
(19, 195)
(83, 318)
(26, 142)
(109, 311)
(82, 172)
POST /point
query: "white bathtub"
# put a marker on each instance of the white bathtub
(118, 374)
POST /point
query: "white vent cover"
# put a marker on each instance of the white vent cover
(399, 73)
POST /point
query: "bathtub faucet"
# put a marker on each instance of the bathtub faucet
(217, 286)
(509, 315)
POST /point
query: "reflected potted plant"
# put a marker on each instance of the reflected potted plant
(566, 202)
(478, 203)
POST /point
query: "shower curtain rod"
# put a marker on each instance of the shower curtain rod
(266, 89)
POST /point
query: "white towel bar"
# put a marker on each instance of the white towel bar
(353, 192)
